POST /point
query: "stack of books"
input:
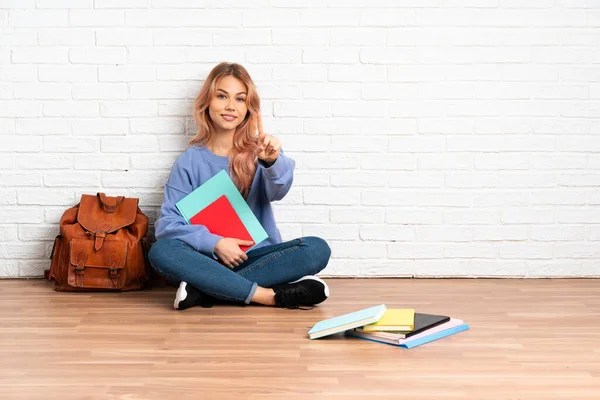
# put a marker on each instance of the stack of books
(396, 326)
(218, 205)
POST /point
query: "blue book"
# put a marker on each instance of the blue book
(449, 328)
(347, 321)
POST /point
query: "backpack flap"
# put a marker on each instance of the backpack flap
(101, 214)
(91, 268)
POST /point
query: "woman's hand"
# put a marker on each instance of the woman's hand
(268, 146)
(229, 252)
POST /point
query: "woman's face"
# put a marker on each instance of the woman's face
(227, 108)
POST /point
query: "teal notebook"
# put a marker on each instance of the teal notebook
(346, 321)
(217, 186)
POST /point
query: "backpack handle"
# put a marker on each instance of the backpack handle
(110, 208)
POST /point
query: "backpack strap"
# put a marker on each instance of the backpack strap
(100, 234)
(110, 208)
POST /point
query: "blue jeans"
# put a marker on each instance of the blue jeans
(266, 266)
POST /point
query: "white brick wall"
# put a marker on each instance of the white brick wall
(432, 138)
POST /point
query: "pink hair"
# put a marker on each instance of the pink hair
(242, 160)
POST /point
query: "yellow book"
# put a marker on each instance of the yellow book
(394, 319)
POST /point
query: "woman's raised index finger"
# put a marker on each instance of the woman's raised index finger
(261, 131)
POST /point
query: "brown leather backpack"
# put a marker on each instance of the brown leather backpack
(102, 245)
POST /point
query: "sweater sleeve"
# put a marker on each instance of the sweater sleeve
(172, 225)
(278, 177)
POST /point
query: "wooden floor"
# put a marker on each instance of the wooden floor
(528, 339)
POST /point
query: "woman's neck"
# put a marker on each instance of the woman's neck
(221, 144)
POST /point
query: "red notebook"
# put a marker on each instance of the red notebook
(220, 218)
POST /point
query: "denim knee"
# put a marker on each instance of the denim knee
(320, 253)
(158, 250)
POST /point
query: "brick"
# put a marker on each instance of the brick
(99, 91)
(441, 234)
(329, 232)
(329, 17)
(302, 109)
(33, 233)
(22, 250)
(157, 90)
(414, 251)
(357, 73)
(411, 179)
(369, 179)
(175, 108)
(153, 161)
(38, 18)
(412, 216)
(274, 55)
(358, 144)
(499, 233)
(357, 37)
(121, 3)
(41, 161)
(18, 143)
(180, 4)
(8, 233)
(387, 197)
(180, 73)
(72, 179)
(330, 161)
(20, 108)
(163, 125)
(99, 126)
(143, 179)
(126, 73)
(357, 249)
(128, 108)
(67, 108)
(489, 216)
(8, 197)
(129, 144)
(61, 4)
(183, 18)
(272, 18)
(310, 179)
(300, 36)
(306, 214)
(239, 37)
(304, 73)
(40, 55)
(96, 18)
(43, 91)
(124, 37)
(68, 73)
(70, 144)
(66, 37)
(387, 233)
(173, 143)
(154, 55)
(33, 269)
(331, 196)
(97, 55)
(359, 109)
(102, 162)
(21, 215)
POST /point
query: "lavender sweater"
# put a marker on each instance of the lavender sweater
(198, 164)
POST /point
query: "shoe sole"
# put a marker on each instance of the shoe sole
(314, 278)
(180, 295)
